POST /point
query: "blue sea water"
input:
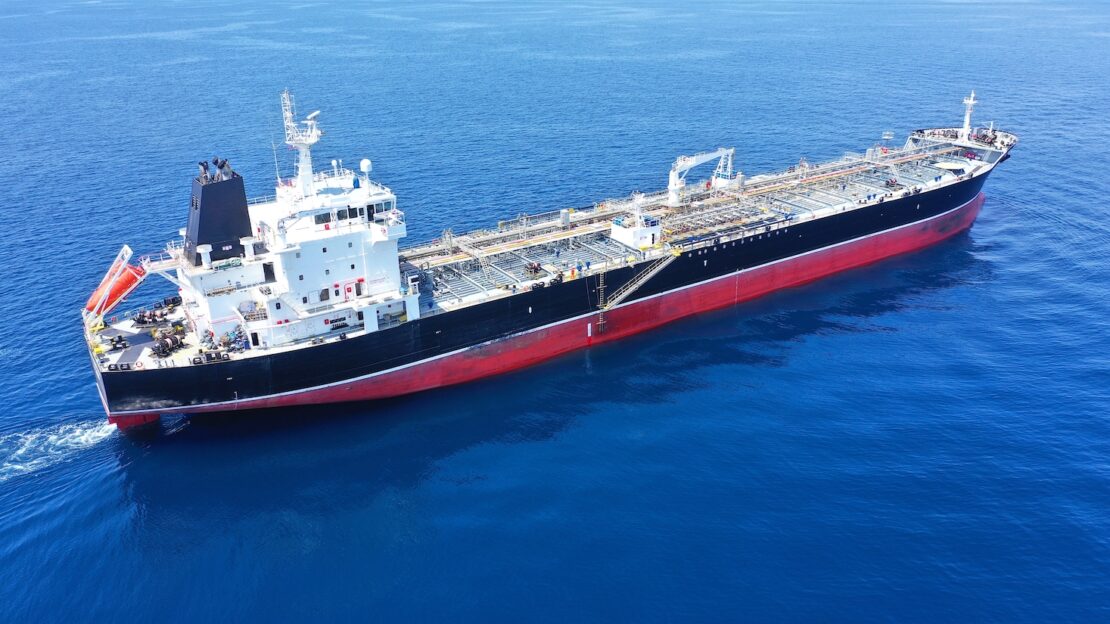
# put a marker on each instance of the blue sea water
(926, 439)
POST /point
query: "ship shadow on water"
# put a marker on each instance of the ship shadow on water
(240, 458)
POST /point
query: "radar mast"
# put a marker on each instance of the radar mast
(302, 136)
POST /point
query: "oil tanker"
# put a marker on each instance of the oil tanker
(308, 296)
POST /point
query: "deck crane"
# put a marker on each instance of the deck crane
(722, 176)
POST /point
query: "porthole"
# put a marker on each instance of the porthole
(352, 267)
(349, 245)
(327, 271)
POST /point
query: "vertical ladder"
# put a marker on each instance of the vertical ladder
(601, 302)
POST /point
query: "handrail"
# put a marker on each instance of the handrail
(224, 290)
(639, 279)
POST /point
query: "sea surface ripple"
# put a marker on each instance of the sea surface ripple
(925, 439)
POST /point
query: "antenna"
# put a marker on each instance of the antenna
(288, 112)
(277, 169)
(304, 134)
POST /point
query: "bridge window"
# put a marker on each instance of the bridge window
(341, 214)
(325, 295)
(322, 218)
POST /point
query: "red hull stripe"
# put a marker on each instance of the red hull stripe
(534, 346)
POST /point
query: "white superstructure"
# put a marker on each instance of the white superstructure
(323, 257)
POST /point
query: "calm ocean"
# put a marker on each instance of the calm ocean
(926, 439)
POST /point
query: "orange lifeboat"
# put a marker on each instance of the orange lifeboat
(118, 282)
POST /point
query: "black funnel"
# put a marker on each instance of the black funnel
(217, 216)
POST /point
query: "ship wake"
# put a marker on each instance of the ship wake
(26, 452)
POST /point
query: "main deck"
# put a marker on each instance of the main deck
(463, 269)
(532, 251)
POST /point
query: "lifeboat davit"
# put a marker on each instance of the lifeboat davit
(118, 282)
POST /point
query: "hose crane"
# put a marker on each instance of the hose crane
(722, 176)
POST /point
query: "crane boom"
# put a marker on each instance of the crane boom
(684, 164)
